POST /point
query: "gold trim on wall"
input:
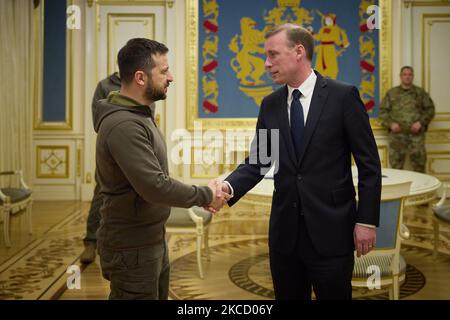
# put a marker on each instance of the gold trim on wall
(441, 117)
(440, 172)
(39, 123)
(88, 178)
(438, 137)
(135, 2)
(407, 3)
(192, 18)
(111, 40)
(37, 66)
(384, 151)
(431, 159)
(39, 162)
(426, 45)
(385, 51)
(97, 32)
(426, 60)
(79, 162)
(69, 79)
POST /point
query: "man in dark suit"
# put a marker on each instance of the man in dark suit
(315, 222)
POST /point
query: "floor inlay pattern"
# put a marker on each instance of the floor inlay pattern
(31, 274)
(238, 268)
(250, 276)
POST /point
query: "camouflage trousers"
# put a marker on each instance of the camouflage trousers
(401, 145)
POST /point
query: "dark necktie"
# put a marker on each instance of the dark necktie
(297, 122)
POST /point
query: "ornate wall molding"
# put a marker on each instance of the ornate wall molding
(52, 162)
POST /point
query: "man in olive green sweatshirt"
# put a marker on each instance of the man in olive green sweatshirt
(132, 170)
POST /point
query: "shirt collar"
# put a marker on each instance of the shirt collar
(307, 87)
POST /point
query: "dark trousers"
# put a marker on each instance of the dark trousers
(137, 274)
(295, 275)
(94, 217)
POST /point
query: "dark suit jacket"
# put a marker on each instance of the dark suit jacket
(319, 184)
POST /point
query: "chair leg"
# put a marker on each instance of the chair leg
(206, 243)
(391, 292)
(29, 217)
(436, 239)
(6, 227)
(199, 255)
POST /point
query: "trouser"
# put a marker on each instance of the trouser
(295, 275)
(403, 144)
(94, 217)
(137, 274)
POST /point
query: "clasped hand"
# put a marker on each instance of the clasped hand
(221, 195)
(415, 127)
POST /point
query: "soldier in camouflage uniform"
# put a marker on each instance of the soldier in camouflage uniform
(406, 112)
(104, 87)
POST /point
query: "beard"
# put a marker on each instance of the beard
(154, 94)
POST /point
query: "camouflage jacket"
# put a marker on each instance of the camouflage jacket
(406, 107)
(104, 87)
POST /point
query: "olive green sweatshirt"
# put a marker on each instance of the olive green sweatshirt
(132, 171)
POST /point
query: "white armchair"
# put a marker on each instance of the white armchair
(193, 220)
(386, 254)
(13, 198)
(441, 215)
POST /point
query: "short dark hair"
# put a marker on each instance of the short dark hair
(406, 67)
(296, 35)
(137, 55)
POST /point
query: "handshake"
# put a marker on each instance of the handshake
(221, 194)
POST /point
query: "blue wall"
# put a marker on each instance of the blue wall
(54, 68)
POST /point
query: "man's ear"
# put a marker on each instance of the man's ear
(300, 50)
(139, 77)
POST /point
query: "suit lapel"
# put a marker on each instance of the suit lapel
(319, 97)
(285, 128)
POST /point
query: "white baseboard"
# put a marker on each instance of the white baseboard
(54, 192)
